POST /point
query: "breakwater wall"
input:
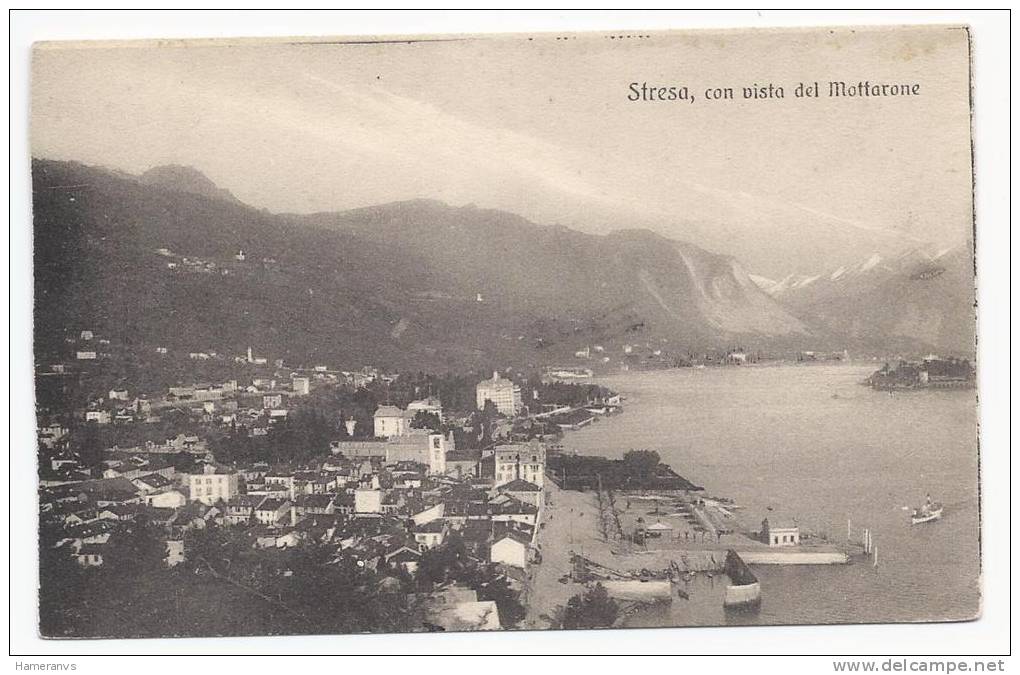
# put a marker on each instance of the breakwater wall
(794, 557)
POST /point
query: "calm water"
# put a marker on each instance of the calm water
(815, 445)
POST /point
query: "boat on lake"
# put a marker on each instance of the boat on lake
(926, 513)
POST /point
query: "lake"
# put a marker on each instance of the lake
(813, 444)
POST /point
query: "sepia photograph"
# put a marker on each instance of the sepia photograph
(443, 333)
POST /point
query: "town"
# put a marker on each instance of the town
(404, 501)
(420, 495)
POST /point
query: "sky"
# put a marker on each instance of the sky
(543, 127)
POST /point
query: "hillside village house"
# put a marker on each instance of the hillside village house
(98, 416)
(315, 504)
(49, 435)
(391, 421)
(152, 482)
(502, 392)
(431, 534)
(462, 464)
(240, 509)
(166, 499)
(301, 386)
(271, 511)
(90, 555)
(128, 470)
(368, 501)
(213, 484)
(511, 550)
(174, 552)
(523, 491)
(405, 557)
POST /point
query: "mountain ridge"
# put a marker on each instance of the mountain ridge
(188, 179)
(409, 283)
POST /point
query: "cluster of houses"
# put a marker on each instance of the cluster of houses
(385, 502)
(265, 398)
(87, 347)
(385, 499)
(255, 406)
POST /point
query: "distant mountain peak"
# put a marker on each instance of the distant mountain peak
(180, 178)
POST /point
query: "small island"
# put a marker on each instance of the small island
(932, 372)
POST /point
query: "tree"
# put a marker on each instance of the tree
(424, 419)
(641, 463)
(91, 449)
(443, 562)
(61, 586)
(486, 422)
(302, 435)
(593, 609)
(137, 548)
(508, 604)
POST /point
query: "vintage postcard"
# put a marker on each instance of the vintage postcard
(505, 332)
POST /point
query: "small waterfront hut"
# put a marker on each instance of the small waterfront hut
(780, 532)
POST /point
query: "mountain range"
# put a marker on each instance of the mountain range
(156, 259)
(914, 297)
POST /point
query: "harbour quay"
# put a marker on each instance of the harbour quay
(655, 547)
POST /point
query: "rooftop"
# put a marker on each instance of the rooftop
(519, 485)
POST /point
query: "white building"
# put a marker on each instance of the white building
(431, 534)
(525, 461)
(271, 510)
(301, 386)
(368, 501)
(98, 416)
(737, 356)
(174, 552)
(780, 533)
(512, 550)
(502, 392)
(391, 421)
(166, 499)
(213, 484)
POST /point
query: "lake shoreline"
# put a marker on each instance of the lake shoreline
(795, 437)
